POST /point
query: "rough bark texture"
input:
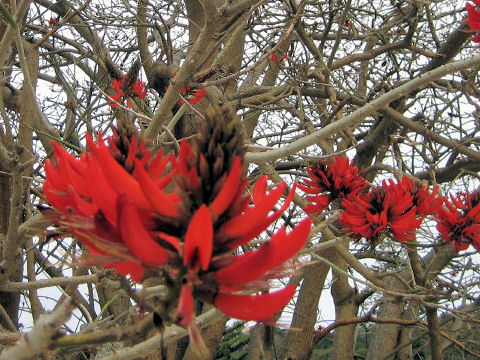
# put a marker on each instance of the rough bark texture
(385, 337)
(298, 342)
(346, 307)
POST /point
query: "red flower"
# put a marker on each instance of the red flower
(113, 199)
(473, 19)
(109, 209)
(425, 202)
(385, 208)
(335, 180)
(193, 95)
(459, 223)
(52, 21)
(274, 58)
(125, 89)
(222, 223)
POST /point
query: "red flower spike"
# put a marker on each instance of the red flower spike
(124, 90)
(226, 195)
(185, 309)
(199, 239)
(254, 307)
(52, 21)
(130, 224)
(197, 95)
(274, 58)
(460, 222)
(331, 181)
(136, 237)
(193, 95)
(273, 253)
(386, 208)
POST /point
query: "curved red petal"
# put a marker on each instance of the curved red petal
(261, 224)
(254, 307)
(253, 216)
(228, 191)
(269, 255)
(101, 192)
(164, 204)
(259, 190)
(136, 237)
(64, 167)
(199, 239)
(185, 309)
(117, 176)
(134, 269)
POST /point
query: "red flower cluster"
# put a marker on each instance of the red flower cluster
(114, 200)
(397, 208)
(125, 89)
(274, 58)
(52, 21)
(104, 205)
(459, 223)
(193, 95)
(473, 19)
(336, 180)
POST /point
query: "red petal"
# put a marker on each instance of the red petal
(185, 306)
(157, 165)
(65, 166)
(199, 239)
(259, 190)
(253, 216)
(117, 176)
(164, 204)
(254, 307)
(101, 192)
(473, 17)
(137, 239)
(262, 224)
(134, 269)
(269, 255)
(228, 191)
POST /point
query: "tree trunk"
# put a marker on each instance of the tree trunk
(298, 342)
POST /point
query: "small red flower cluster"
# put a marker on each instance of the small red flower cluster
(473, 19)
(125, 89)
(335, 180)
(193, 95)
(396, 208)
(459, 223)
(275, 59)
(114, 200)
(53, 20)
